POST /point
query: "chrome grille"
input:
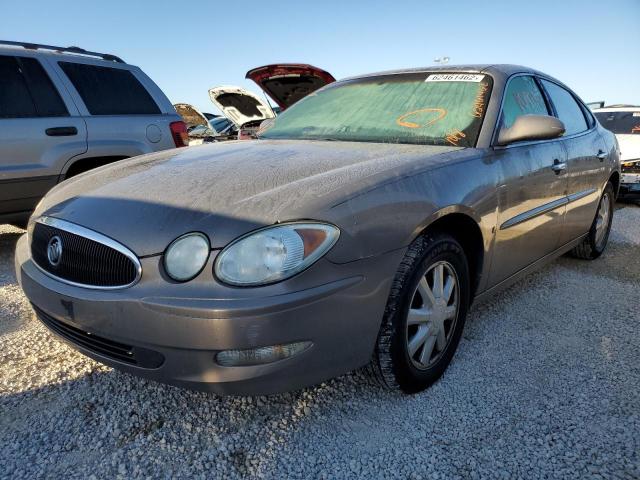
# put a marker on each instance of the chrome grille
(82, 257)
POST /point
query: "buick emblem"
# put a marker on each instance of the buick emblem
(54, 251)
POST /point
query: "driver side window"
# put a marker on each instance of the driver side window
(522, 97)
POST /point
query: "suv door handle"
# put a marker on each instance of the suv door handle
(61, 131)
(558, 166)
(601, 155)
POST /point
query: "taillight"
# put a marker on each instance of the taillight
(179, 132)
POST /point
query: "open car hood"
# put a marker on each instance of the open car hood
(240, 105)
(191, 115)
(287, 83)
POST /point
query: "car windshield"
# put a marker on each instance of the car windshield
(620, 122)
(419, 108)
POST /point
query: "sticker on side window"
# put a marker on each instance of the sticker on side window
(454, 77)
(636, 114)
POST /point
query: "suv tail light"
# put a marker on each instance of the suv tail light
(179, 133)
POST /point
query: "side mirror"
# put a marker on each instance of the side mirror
(531, 127)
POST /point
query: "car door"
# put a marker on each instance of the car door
(125, 112)
(39, 133)
(586, 165)
(532, 194)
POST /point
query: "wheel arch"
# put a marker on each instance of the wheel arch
(462, 224)
(82, 165)
(615, 181)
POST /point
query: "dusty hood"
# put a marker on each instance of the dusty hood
(287, 83)
(227, 189)
(240, 105)
(191, 115)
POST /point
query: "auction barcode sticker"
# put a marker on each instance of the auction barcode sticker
(454, 77)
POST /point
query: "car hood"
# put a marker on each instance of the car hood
(287, 83)
(191, 115)
(239, 105)
(227, 189)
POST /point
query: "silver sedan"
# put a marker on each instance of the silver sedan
(357, 230)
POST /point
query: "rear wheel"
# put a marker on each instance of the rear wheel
(425, 315)
(596, 241)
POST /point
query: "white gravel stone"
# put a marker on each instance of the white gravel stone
(545, 384)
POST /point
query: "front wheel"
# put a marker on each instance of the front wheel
(596, 241)
(424, 316)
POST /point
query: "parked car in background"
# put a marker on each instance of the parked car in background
(64, 111)
(243, 108)
(286, 83)
(199, 127)
(357, 230)
(624, 122)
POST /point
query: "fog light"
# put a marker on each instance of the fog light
(260, 356)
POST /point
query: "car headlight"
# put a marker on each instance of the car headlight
(274, 253)
(187, 255)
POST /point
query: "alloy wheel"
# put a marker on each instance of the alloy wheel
(602, 219)
(432, 316)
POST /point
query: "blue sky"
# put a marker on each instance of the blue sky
(188, 47)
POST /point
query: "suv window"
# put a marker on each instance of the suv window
(26, 90)
(522, 97)
(568, 110)
(109, 91)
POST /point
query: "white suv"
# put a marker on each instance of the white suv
(66, 110)
(624, 122)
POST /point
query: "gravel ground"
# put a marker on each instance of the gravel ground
(545, 384)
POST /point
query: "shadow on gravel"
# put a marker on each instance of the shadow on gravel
(8, 242)
(109, 411)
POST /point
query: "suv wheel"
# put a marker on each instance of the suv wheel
(424, 316)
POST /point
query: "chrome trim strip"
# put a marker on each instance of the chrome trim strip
(96, 237)
(578, 195)
(534, 212)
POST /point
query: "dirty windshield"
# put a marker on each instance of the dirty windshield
(419, 108)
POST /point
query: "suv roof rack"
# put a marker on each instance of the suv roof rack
(76, 50)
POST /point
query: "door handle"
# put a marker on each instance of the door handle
(601, 155)
(61, 131)
(558, 166)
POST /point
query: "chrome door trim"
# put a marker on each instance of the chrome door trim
(578, 195)
(534, 212)
(96, 237)
(545, 208)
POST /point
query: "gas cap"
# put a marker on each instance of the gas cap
(154, 134)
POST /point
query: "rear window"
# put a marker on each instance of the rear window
(620, 122)
(26, 90)
(569, 111)
(110, 91)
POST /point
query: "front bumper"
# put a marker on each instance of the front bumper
(630, 186)
(336, 307)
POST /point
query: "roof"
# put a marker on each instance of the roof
(504, 69)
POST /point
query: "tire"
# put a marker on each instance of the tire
(394, 365)
(596, 241)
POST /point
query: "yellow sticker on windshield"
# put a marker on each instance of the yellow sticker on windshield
(440, 113)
